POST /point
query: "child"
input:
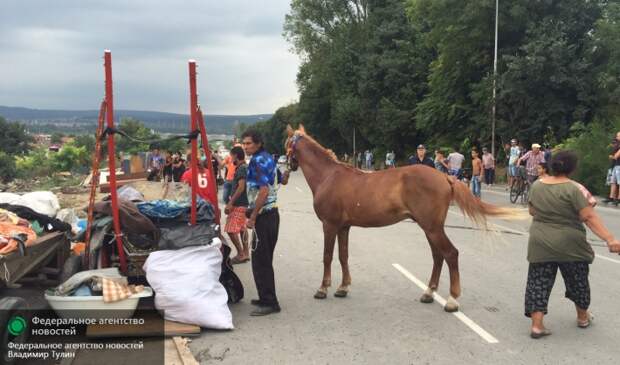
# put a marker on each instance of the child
(476, 174)
(237, 206)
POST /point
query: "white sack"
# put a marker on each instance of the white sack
(187, 287)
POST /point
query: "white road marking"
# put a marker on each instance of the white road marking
(441, 301)
(525, 233)
(298, 189)
(607, 258)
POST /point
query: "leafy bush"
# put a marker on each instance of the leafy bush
(7, 167)
(592, 145)
(70, 158)
(36, 163)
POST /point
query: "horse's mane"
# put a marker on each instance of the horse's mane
(326, 152)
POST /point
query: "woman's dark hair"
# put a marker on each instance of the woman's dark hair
(238, 152)
(254, 134)
(564, 162)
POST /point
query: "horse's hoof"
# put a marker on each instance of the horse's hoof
(320, 295)
(340, 293)
(451, 305)
(426, 298)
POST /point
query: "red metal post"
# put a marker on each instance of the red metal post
(205, 146)
(193, 107)
(94, 182)
(111, 157)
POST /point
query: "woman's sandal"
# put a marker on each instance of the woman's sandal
(587, 322)
(537, 335)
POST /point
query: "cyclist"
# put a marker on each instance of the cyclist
(532, 160)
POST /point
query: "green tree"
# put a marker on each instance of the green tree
(137, 131)
(7, 167)
(13, 138)
(70, 158)
(87, 141)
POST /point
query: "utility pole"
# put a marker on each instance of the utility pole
(354, 152)
(494, 80)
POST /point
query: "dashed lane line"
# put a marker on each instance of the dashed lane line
(441, 301)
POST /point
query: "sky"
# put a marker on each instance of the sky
(51, 54)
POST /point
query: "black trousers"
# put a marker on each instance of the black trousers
(263, 245)
(540, 280)
(489, 176)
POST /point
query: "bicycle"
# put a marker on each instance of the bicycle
(520, 187)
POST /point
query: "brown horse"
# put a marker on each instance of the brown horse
(346, 197)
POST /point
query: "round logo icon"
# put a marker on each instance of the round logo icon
(17, 325)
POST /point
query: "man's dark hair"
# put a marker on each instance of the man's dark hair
(254, 134)
(564, 162)
(238, 152)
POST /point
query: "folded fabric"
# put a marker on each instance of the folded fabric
(48, 223)
(164, 211)
(12, 234)
(131, 219)
(87, 276)
(8, 216)
(162, 208)
(113, 291)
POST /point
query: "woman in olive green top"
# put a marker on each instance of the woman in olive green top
(558, 240)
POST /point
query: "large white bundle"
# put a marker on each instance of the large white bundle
(9, 198)
(42, 202)
(187, 287)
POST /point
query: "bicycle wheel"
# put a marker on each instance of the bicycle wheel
(526, 193)
(515, 191)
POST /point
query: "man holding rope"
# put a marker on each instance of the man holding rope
(264, 218)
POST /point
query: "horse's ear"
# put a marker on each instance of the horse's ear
(302, 129)
(289, 130)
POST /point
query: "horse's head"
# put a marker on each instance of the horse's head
(290, 146)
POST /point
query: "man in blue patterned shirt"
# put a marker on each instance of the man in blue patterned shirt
(264, 219)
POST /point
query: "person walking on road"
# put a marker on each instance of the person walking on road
(420, 157)
(476, 174)
(488, 164)
(513, 157)
(455, 164)
(264, 218)
(368, 157)
(237, 206)
(614, 180)
(558, 241)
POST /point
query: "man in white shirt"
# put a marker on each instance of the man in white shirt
(455, 164)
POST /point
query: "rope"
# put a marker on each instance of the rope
(111, 131)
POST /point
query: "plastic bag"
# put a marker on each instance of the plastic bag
(187, 286)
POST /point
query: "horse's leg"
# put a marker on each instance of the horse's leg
(343, 255)
(433, 283)
(451, 255)
(329, 237)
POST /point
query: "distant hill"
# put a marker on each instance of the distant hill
(85, 121)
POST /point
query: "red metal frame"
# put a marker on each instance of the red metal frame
(193, 108)
(94, 182)
(205, 146)
(109, 100)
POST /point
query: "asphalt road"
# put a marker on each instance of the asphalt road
(382, 320)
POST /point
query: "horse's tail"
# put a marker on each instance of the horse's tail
(477, 210)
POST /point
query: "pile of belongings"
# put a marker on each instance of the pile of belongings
(185, 264)
(151, 225)
(107, 283)
(25, 217)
